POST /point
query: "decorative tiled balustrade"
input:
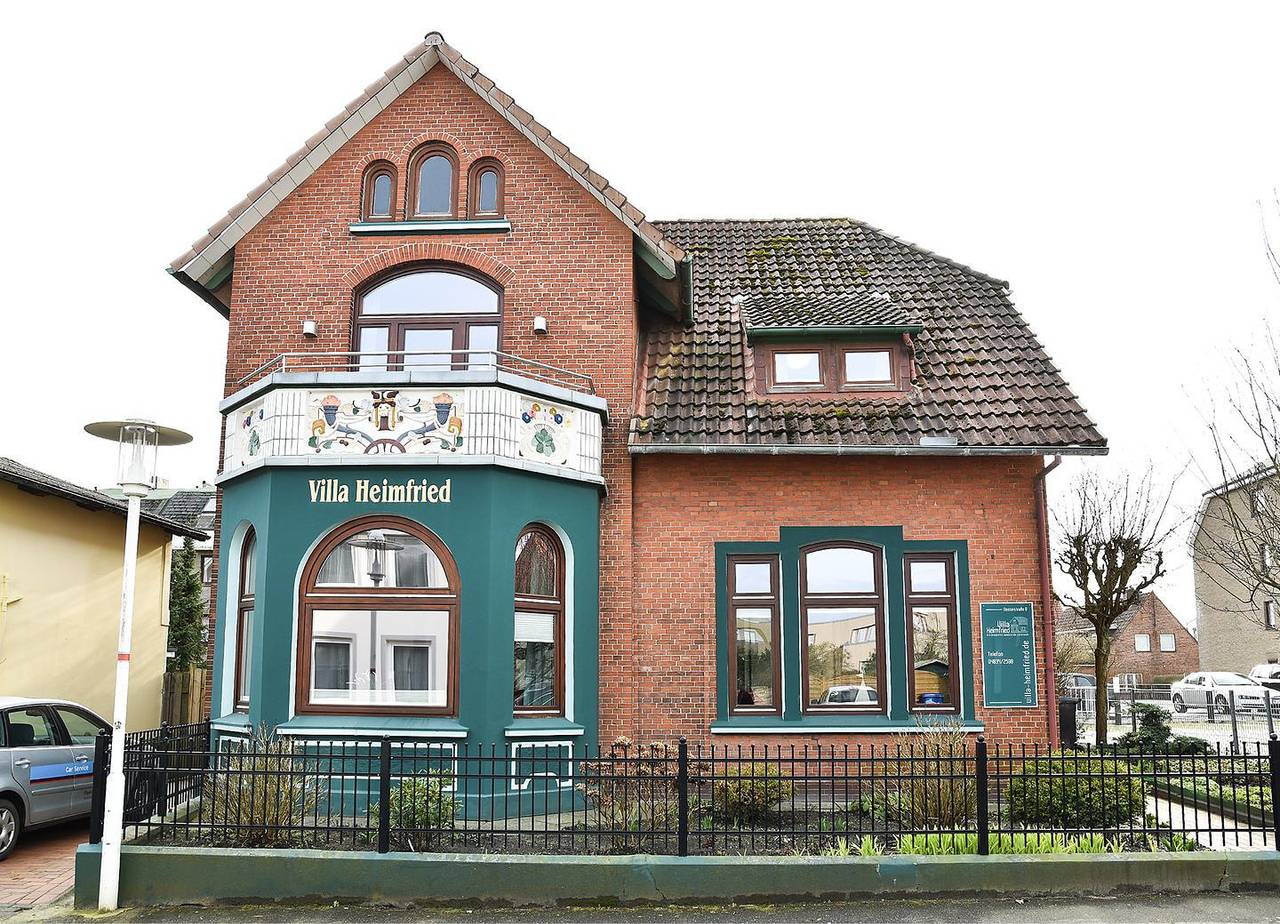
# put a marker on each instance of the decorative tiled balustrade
(450, 416)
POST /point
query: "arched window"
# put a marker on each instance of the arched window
(441, 318)
(433, 182)
(378, 192)
(485, 189)
(842, 625)
(244, 618)
(378, 622)
(539, 635)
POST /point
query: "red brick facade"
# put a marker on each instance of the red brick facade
(568, 259)
(1152, 619)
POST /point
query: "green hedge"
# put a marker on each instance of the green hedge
(1065, 791)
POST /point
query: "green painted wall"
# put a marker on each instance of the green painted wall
(488, 508)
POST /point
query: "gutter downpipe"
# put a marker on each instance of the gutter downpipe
(1046, 595)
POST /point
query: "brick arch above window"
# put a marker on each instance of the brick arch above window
(465, 153)
(427, 251)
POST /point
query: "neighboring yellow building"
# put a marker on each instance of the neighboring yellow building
(61, 555)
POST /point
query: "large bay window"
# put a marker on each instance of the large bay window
(378, 625)
(841, 620)
(539, 623)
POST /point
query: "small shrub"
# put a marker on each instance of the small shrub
(260, 794)
(1065, 791)
(1155, 735)
(418, 806)
(632, 789)
(747, 793)
(935, 787)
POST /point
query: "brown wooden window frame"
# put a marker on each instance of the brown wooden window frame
(874, 600)
(478, 168)
(553, 606)
(398, 324)
(245, 605)
(372, 172)
(311, 598)
(932, 600)
(831, 355)
(771, 602)
(430, 149)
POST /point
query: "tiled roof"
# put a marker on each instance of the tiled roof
(842, 311)
(1069, 619)
(38, 482)
(202, 260)
(982, 380)
(184, 506)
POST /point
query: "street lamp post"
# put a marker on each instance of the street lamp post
(138, 443)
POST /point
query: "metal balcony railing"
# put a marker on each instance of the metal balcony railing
(422, 361)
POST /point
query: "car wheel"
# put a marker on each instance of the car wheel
(1178, 704)
(10, 827)
(1222, 706)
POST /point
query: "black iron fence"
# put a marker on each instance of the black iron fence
(1227, 715)
(163, 768)
(945, 796)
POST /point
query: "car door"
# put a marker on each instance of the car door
(41, 764)
(81, 729)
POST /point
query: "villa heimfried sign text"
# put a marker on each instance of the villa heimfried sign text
(366, 491)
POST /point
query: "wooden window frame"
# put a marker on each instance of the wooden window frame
(312, 597)
(245, 603)
(771, 602)
(397, 324)
(932, 600)
(874, 600)
(473, 188)
(831, 367)
(554, 607)
(431, 149)
(372, 172)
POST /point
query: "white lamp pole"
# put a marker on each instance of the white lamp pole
(138, 442)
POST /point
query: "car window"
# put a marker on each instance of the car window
(30, 727)
(1225, 679)
(79, 726)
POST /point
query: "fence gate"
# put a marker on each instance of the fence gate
(183, 696)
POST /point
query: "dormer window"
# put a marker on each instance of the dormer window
(433, 172)
(868, 368)
(485, 189)
(378, 193)
(831, 368)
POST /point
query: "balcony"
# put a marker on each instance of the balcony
(463, 407)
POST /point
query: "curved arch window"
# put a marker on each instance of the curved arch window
(842, 625)
(433, 188)
(379, 621)
(245, 598)
(485, 189)
(430, 317)
(378, 192)
(539, 623)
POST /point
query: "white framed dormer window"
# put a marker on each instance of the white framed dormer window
(1168, 642)
(1142, 642)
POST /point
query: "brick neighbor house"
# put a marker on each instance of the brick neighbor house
(1151, 644)
(504, 462)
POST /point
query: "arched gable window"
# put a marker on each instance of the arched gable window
(842, 627)
(378, 622)
(539, 624)
(485, 189)
(442, 317)
(245, 597)
(433, 182)
(378, 192)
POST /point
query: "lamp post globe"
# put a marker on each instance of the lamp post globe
(138, 443)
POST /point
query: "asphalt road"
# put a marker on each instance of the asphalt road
(1210, 907)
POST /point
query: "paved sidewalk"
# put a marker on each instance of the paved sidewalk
(42, 867)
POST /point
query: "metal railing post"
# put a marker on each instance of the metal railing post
(166, 732)
(384, 796)
(1208, 705)
(682, 798)
(1133, 709)
(1273, 755)
(98, 799)
(1235, 725)
(984, 823)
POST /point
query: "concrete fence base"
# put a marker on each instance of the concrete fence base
(173, 875)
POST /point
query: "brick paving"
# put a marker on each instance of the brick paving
(42, 868)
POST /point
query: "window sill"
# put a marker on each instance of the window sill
(535, 727)
(237, 723)
(837, 725)
(372, 726)
(433, 226)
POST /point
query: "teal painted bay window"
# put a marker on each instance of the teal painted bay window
(834, 629)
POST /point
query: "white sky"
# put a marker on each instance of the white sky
(1107, 159)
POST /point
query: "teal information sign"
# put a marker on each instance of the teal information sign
(1009, 655)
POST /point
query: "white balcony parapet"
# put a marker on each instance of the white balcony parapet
(481, 413)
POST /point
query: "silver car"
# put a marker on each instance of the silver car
(46, 764)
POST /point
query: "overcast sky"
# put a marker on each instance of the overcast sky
(1106, 159)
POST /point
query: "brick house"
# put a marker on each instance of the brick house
(1151, 645)
(505, 462)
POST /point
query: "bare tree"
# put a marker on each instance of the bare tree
(1111, 535)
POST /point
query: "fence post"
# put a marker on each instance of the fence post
(1133, 709)
(682, 798)
(98, 799)
(1235, 727)
(1208, 705)
(166, 733)
(384, 796)
(1273, 754)
(984, 827)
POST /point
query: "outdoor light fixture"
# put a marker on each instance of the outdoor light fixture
(540, 326)
(138, 443)
(309, 328)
